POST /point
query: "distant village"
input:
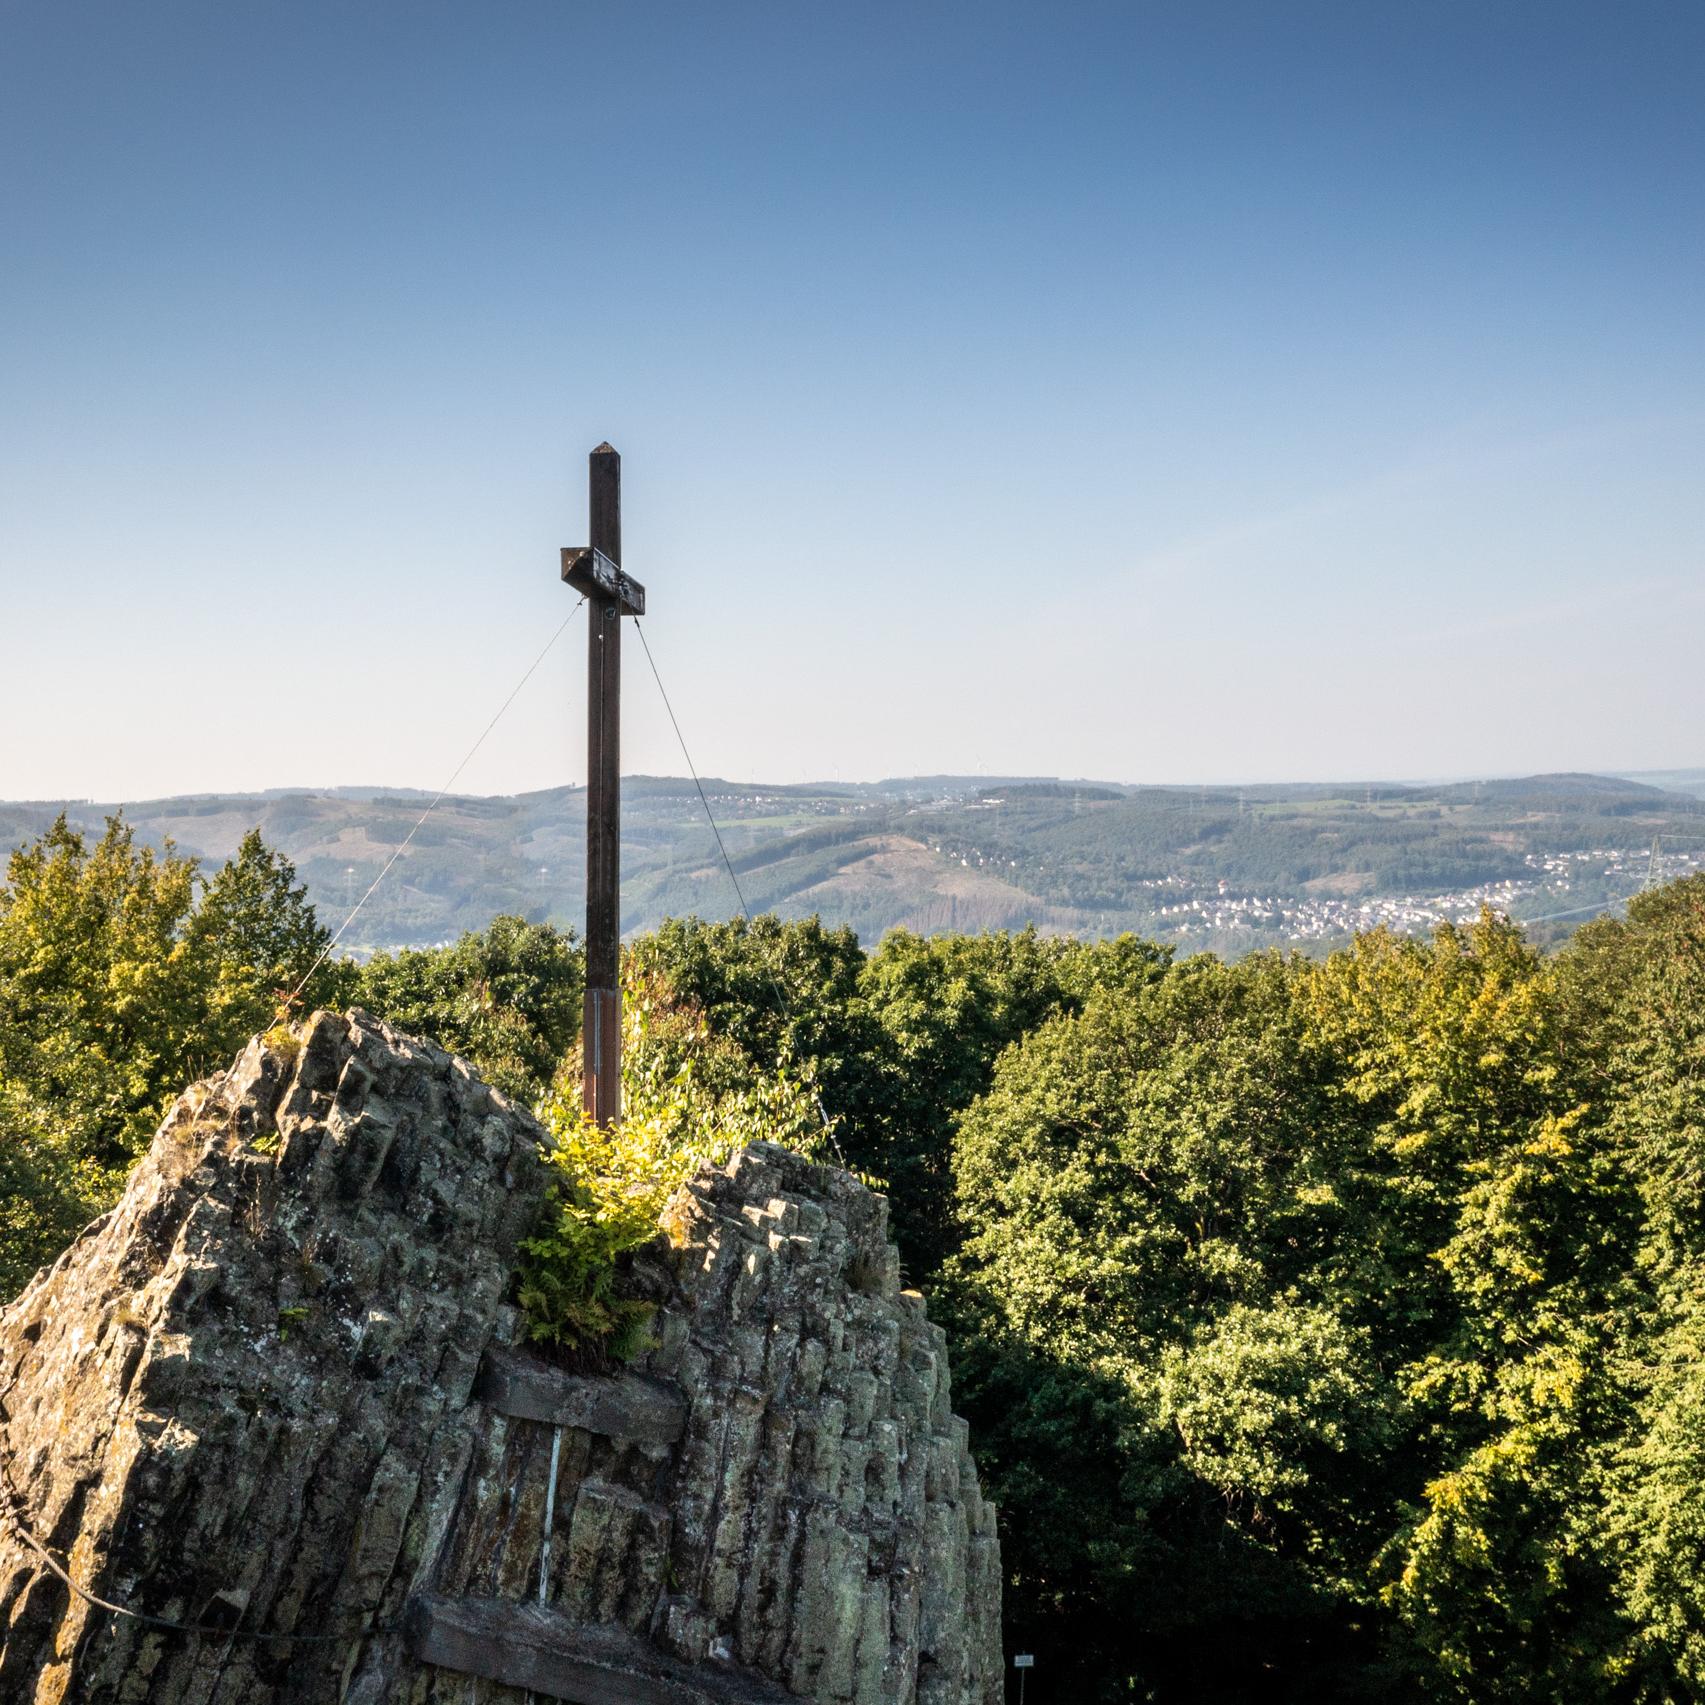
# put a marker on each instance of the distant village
(1562, 885)
(1574, 883)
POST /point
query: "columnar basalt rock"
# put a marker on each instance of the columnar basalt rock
(279, 1392)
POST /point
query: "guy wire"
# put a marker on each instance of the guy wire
(728, 863)
(326, 952)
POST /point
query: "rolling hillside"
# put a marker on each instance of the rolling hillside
(1209, 867)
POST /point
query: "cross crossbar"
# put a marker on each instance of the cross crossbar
(588, 570)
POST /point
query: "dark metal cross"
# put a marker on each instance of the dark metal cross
(596, 571)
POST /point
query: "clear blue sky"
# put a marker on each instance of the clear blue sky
(1156, 392)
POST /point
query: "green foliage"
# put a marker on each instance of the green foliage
(122, 977)
(53, 1181)
(690, 1099)
(895, 1044)
(1635, 997)
(1262, 1398)
(944, 1008)
(779, 992)
(507, 998)
(1153, 1190)
(256, 936)
(1367, 1289)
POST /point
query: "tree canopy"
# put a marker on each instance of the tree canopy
(123, 976)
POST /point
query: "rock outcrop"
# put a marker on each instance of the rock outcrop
(279, 1396)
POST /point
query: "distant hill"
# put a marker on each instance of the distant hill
(1221, 867)
(1560, 790)
(1672, 781)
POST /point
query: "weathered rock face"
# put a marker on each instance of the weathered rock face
(278, 1391)
(788, 1491)
(243, 1397)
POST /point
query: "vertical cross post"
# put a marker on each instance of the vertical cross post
(610, 595)
(602, 1035)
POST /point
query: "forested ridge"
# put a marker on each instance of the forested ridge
(1328, 1329)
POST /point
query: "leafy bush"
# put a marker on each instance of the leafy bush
(690, 1099)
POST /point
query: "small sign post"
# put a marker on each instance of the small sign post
(1023, 1662)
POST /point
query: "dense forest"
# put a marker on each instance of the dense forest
(1328, 1328)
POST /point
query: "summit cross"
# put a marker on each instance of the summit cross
(596, 571)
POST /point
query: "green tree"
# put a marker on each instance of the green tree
(99, 988)
(507, 998)
(51, 1184)
(122, 977)
(945, 1006)
(1635, 996)
(1507, 1224)
(253, 938)
(1149, 1191)
(895, 1044)
(690, 1098)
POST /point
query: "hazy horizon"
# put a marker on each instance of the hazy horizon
(1010, 777)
